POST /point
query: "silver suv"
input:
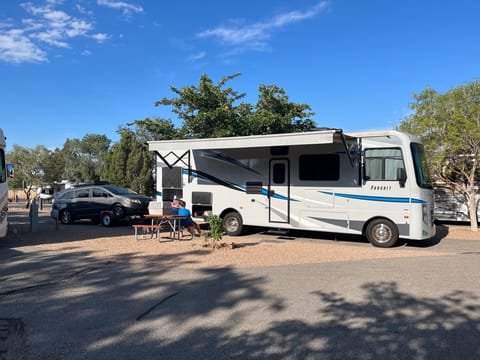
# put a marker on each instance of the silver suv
(88, 202)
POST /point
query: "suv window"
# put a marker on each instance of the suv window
(82, 193)
(97, 192)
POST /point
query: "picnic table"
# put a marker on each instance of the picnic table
(162, 221)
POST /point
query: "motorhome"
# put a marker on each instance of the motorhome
(4, 173)
(374, 184)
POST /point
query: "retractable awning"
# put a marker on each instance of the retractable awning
(174, 151)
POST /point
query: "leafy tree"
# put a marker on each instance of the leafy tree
(207, 110)
(129, 164)
(84, 158)
(449, 125)
(210, 110)
(53, 165)
(28, 168)
(276, 114)
(154, 129)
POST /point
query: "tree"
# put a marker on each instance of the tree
(207, 110)
(129, 164)
(28, 168)
(210, 110)
(84, 158)
(449, 125)
(53, 165)
(154, 129)
(276, 114)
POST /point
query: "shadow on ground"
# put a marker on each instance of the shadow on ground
(124, 309)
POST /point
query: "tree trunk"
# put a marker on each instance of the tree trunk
(473, 215)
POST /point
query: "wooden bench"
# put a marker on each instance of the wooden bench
(153, 229)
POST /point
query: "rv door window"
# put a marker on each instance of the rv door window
(382, 164)
(279, 173)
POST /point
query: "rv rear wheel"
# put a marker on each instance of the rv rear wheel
(382, 233)
(233, 224)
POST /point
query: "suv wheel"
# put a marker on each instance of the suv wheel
(107, 219)
(118, 210)
(65, 217)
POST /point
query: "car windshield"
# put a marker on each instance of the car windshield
(119, 190)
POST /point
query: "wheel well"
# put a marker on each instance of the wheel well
(226, 211)
(365, 225)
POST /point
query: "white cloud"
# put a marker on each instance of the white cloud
(47, 25)
(198, 56)
(126, 8)
(78, 28)
(254, 36)
(100, 37)
(17, 48)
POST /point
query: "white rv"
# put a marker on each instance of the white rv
(3, 188)
(375, 184)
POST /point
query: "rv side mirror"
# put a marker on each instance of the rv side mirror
(401, 176)
(10, 170)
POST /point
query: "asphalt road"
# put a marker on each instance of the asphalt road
(70, 306)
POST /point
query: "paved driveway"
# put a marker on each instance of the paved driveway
(71, 305)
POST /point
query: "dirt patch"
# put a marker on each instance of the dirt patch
(256, 249)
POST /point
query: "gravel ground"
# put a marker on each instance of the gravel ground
(255, 249)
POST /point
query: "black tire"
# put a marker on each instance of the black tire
(65, 217)
(382, 233)
(107, 220)
(118, 210)
(233, 224)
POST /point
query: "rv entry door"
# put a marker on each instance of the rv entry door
(279, 191)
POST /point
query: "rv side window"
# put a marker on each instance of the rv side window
(382, 164)
(323, 167)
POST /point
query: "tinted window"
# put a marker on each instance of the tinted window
(319, 167)
(119, 190)
(279, 173)
(65, 195)
(82, 193)
(97, 192)
(422, 172)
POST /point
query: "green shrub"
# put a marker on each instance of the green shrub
(215, 232)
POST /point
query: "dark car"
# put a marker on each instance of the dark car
(87, 202)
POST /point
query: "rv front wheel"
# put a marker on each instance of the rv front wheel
(382, 233)
(233, 224)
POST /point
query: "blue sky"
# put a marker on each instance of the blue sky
(71, 68)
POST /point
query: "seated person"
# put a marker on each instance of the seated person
(175, 206)
(188, 222)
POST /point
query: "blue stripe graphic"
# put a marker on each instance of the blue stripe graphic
(376, 198)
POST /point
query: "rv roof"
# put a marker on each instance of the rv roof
(301, 138)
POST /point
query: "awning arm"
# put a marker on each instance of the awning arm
(347, 150)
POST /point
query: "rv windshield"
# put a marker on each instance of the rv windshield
(422, 172)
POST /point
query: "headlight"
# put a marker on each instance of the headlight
(134, 201)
